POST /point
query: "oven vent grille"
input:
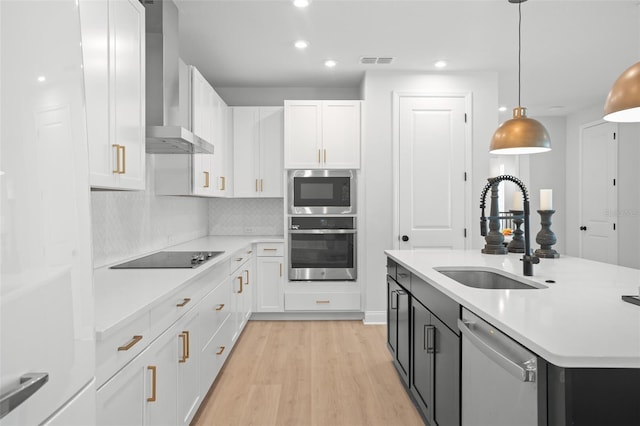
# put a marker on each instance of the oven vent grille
(377, 60)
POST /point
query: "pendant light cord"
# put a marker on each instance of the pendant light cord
(519, 50)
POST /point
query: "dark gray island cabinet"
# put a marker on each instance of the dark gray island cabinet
(426, 345)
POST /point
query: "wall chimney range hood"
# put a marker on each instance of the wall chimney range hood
(167, 88)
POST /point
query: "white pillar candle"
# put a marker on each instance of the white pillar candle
(518, 203)
(546, 199)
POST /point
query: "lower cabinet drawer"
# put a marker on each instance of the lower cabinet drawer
(322, 301)
(121, 347)
(214, 355)
(215, 308)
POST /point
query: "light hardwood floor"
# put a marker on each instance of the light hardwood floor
(309, 373)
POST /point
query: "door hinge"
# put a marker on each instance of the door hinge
(614, 182)
(465, 117)
(614, 136)
(465, 232)
(614, 226)
(465, 176)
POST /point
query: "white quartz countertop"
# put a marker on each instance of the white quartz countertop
(578, 321)
(124, 294)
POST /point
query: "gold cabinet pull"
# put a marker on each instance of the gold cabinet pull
(121, 154)
(323, 302)
(261, 185)
(256, 185)
(129, 345)
(223, 183)
(240, 278)
(249, 251)
(184, 302)
(206, 179)
(246, 282)
(239, 259)
(325, 155)
(222, 348)
(319, 157)
(186, 333)
(270, 249)
(281, 269)
(219, 307)
(153, 370)
(124, 159)
(183, 337)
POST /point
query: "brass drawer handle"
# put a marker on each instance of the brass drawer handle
(269, 249)
(247, 280)
(222, 348)
(186, 333)
(240, 278)
(153, 370)
(281, 269)
(239, 259)
(183, 337)
(325, 155)
(261, 185)
(184, 302)
(223, 181)
(257, 185)
(319, 157)
(219, 307)
(323, 302)
(120, 165)
(129, 345)
(206, 179)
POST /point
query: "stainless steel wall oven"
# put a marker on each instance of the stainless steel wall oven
(322, 192)
(322, 248)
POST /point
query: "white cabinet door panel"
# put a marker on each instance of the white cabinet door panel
(303, 134)
(341, 134)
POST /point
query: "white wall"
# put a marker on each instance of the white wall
(377, 160)
(628, 225)
(547, 171)
(130, 223)
(275, 96)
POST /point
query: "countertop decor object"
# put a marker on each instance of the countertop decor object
(516, 245)
(546, 238)
(623, 102)
(521, 134)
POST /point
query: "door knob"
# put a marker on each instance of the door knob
(583, 228)
(405, 238)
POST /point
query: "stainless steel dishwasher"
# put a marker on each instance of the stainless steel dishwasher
(499, 377)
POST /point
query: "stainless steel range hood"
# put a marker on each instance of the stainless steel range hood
(167, 89)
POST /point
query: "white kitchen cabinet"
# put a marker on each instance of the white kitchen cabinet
(322, 134)
(270, 277)
(241, 280)
(113, 34)
(188, 364)
(161, 374)
(258, 151)
(119, 402)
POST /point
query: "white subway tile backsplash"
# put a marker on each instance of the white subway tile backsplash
(241, 216)
(129, 223)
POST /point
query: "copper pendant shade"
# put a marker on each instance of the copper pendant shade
(521, 134)
(623, 102)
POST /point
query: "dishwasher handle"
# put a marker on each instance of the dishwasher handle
(526, 371)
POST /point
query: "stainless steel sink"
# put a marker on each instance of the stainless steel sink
(487, 278)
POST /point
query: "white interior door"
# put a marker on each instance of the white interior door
(431, 179)
(598, 193)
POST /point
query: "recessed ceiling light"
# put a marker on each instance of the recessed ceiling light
(330, 63)
(301, 3)
(502, 109)
(301, 44)
(41, 78)
(440, 64)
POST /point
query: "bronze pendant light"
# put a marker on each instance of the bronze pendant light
(521, 134)
(623, 102)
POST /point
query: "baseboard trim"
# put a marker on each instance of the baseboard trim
(306, 316)
(375, 317)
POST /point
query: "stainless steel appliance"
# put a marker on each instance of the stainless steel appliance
(499, 377)
(322, 192)
(170, 259)
(322, 248)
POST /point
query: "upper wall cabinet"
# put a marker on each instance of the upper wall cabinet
(257, 152)
(113, 45)
(202, 175)
(322, 134)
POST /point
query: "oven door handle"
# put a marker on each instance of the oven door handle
(322, 231)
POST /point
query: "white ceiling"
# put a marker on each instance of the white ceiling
(572, 50)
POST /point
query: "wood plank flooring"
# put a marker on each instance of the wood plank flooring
(309, 373)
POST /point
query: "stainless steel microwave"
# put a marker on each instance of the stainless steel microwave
(322, 192)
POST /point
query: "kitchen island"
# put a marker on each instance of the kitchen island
(586, 340)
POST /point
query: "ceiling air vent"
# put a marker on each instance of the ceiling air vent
(376, 60)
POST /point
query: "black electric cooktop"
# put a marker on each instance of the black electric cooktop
(170, 259)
